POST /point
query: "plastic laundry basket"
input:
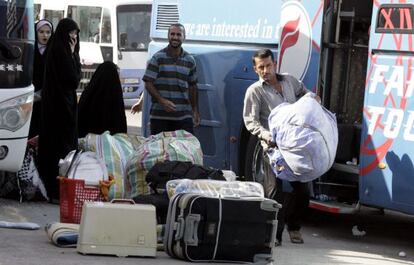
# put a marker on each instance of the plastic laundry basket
(73, 193)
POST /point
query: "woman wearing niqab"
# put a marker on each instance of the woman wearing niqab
(58, 132)
(101, 105)
(43, 32)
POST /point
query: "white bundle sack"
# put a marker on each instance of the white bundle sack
(85, 165)
(306, 134)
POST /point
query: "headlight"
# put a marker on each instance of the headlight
(15, 112)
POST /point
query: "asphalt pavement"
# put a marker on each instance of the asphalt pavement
(328, 240)
(134, 122)
(389, 238)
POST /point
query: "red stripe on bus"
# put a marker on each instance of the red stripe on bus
(323, 207)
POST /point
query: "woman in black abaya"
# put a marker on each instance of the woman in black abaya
(43, 32)
(58, 131)
(101, 106)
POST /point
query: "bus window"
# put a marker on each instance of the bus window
(395, 19)
(134, 27)
(37, 11)
(13, 20)
(53, 16)
(106, 26)
(88, 18)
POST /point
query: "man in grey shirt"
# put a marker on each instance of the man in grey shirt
(261, 98)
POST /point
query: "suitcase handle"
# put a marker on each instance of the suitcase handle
(122, 201)
(180, 228)
(191, 229)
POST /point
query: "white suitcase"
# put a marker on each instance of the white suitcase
(121, 229)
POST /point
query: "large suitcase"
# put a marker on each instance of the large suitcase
(201, 228)
(121, 229)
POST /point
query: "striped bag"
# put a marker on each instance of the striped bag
(115, 150)
(177, 145)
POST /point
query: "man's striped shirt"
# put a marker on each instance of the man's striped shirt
(172, 77)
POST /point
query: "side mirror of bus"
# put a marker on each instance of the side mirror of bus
(119, 54)
(8, 51)
(123, 39)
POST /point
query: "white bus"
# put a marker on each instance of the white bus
(116, 31)
(16, 89)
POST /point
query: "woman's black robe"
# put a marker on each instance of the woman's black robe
(58, 132)
(101, 106)
(38, 74)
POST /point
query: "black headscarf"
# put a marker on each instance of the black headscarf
(101, 106)
(58, 131)
(61, 36)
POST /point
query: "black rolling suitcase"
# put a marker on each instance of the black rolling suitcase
(201, 228)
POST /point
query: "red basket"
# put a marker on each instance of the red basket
(73, 194)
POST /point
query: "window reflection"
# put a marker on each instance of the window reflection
(134, 27)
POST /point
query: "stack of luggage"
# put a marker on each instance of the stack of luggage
(164, 185)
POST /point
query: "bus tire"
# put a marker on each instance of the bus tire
(253, 167)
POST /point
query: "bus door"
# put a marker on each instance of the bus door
(133, 32)
(16, 89)
(387, 168)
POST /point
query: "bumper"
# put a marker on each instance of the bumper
(16, 149)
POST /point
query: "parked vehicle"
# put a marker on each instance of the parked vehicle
(116, 31)
(356, 55)
(16, 89)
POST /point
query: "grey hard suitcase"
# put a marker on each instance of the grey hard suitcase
(201, 228)
(121, 228)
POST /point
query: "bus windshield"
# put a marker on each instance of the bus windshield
(14, 19)
(53, 16)
(134, 27)
(89, 18)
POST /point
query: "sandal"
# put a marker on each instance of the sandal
(278, 243)
(296, 237)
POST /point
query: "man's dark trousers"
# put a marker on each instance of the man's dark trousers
(158, 126)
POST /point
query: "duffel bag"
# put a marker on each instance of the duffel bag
(176, 145)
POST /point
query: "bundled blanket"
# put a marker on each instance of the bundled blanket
(63, 234)
(307, 137)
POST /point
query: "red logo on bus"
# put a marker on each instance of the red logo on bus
(295, 42)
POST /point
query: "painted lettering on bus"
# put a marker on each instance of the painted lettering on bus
(390, 80)
(395, 81)
(246, 30)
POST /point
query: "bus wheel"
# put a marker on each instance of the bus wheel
(253, 169)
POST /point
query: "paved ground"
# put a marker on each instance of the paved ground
(328, 238)
(134, 122)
